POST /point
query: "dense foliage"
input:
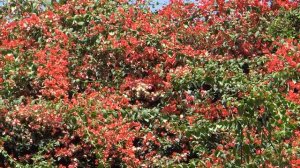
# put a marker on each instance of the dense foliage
(110, 83)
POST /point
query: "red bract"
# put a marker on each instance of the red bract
(214, 111)
(171, 108)
(112, 135)
(287, 53)
(293, 93)
(30, 21)
(275, 64)
(52, 69)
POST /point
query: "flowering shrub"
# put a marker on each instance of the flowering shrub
(113, 84)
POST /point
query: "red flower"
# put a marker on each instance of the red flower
(171, 108)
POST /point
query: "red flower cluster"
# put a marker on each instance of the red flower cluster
(52, 69)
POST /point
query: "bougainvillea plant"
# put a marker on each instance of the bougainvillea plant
(113, 83)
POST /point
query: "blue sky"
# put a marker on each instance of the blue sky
(164, 2)
(161, 3)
